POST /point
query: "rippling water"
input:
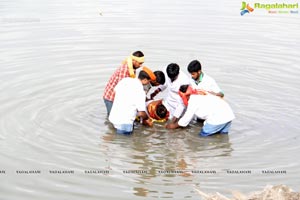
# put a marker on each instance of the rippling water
(56, 58)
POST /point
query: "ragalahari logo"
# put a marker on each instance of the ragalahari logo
(246, 8)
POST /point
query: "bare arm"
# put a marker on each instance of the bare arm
(219, 94)
(174, 120)
(142, 114)
(158, 90)
(172, 125)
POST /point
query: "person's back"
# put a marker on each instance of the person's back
(214, 110)
(127, 101)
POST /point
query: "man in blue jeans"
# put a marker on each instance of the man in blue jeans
(215, 111)
(129, 101)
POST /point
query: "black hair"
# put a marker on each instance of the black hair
(183, 88)
(194, 66)
(173, 71)
(160, 77)
(161, 111)
(138, 54)
(143, 75)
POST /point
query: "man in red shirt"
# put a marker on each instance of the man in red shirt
(127, 69)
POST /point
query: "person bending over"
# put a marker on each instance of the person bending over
(129, 102)
(215, 111)
(157, 112)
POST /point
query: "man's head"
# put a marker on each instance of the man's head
(161, 111)
(194, 68)
(157, 110)
(137, 59)
(173, 71)
(160, 78)
(185, 92)
(146, 75)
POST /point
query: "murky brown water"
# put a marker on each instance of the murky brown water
(56, 57)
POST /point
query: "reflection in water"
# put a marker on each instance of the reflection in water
(138, 191)
(152, 154)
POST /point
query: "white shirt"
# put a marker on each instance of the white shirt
(173, 101)
(213, 109)
(207, 83)
(129, 99)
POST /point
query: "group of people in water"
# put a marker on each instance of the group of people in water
(127, 99)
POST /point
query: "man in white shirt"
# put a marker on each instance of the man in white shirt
(214, 110)
(202, 80)
(172, 101)
(129, 101)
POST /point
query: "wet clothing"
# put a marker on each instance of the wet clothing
(209, 129)
(214, 110)
(108, 105)
(129, 99)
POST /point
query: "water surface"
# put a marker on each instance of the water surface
(56, 58)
